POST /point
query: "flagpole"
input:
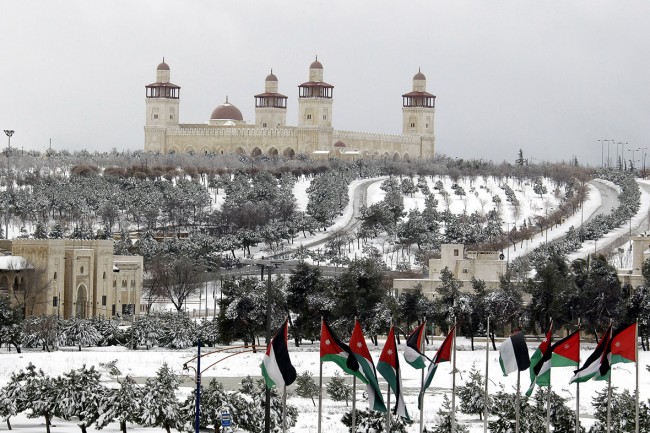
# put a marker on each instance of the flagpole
(354, 402)
(578, 387)
(388, 399)
(422, 349)
(354, 396)
(609, 398)
(517, 402)
(636, 358)
(320, 387)
(487, 367)
(453, 386)
(284, 409)
(548, 392)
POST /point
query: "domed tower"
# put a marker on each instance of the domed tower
(418, 107)
(162, 104)
(270, 106)
(315, 99)
(226, 114)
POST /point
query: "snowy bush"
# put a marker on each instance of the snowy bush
(622, 413)
(472, 394)
(338, 390)
(372, 421)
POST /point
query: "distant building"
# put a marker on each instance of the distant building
(227, 132)
(482, 265)
(640, 253)
(70, 277)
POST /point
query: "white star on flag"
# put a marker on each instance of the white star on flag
(617, 344)
(327, 341)
(567, 346)
(390, 351)
(359, 345)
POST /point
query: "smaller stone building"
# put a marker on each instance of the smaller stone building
(488, 266)
(71, 278)
(640, 253)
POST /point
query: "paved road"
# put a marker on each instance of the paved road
(609, 196)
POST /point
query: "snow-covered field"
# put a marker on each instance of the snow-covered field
(145, 363)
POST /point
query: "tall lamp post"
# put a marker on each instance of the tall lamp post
(269, 264)
(8, 133)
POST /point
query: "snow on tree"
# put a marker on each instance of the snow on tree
(78, 332)
(443, 420)
(10, 395)
(253, 419)
(11, 316)
(39, 395)
(338, 390)
(306, 386)
(80, 394)
(372, 421)
(472, 394)
(122, 404)
(40, 331)
(622, 412)
(160, 407)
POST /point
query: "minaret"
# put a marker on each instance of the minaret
(315, 99)
(270, 106)
(418, 108)
(162, 104)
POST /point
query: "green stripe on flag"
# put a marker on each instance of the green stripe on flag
(561, 361)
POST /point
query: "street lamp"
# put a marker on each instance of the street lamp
(9, 133)
(268, 263)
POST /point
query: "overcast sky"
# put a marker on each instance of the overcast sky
(551, 77)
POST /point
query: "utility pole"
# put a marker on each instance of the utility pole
(8, 133)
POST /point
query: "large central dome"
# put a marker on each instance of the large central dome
(226, 111)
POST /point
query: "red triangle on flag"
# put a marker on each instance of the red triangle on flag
(328, 344)
(389, 352)
(569, 348)
(624, 343)
(444, 351)
(358, 343)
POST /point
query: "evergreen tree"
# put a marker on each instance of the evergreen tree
(79, 332)
(11, 318)
(80, 394)
(306, 386)
(622, 412)
(253, 420)
(160, 408)
(443, 419)
(520, 161)
(10, 395)
(372, 421)
(539, 187)
(338, 390)
(472, 394)
(56, 232)
(122, 404)
(40, 232)
(39, 395)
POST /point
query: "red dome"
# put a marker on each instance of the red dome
(271, 77)
(163, 66)
(339, 144)
(419, 76)
(316, 64)
(226, 111)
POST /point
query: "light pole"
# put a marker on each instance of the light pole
(602, 153)
(267, 263)
(8, 133)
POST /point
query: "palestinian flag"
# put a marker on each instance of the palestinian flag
(592, 365)
(442, 355)
(513, 354)
(332, 349)
(624, 343)
(276, 366)
(412, 352)
(540, 363)
(367, 368)
(388, 367)
(566, 352)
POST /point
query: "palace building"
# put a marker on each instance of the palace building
(227, 132)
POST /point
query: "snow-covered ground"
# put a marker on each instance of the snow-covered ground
(145, 363)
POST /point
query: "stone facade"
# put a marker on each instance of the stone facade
(464, 265)
(76, 278)
(314, 136)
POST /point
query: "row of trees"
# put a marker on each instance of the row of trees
(81, 394)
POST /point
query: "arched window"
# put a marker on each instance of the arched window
(81, 270)
(104, 276)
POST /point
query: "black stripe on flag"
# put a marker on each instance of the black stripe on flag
(521, 350)
(281, 352)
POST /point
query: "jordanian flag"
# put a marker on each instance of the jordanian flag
(442, 355)
(412, 352)
(332, 349)
(621, 348)
(367, 368)
(592, 365)
(566, 352)
(513, 354)
(276, 366)
(388, 367)
(540, 363)
(624, 344)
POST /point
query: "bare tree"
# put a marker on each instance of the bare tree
(30, 286)
(175, 279)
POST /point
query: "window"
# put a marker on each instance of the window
(412, 124)
(465, 270)
(456, 253)
(55, 275)
(55, 301)
(113, 310)
(324, 116)
(114, 283)
(104, 300)
(171, 117)
(104, 276)
(155, 117)
(264, 125)
(309, 117)
(81, 270)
